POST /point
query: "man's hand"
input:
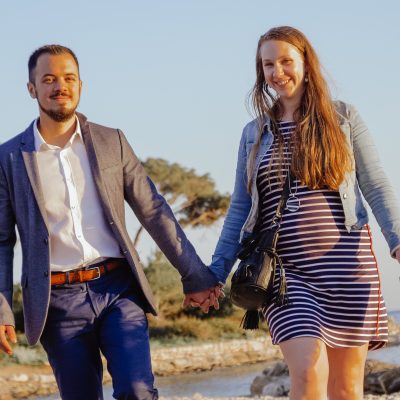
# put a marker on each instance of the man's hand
(398, 255)
(7, 330)
(204, 299)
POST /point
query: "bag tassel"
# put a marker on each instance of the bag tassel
(250, 320)
(283, 296)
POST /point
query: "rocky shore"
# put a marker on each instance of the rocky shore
(380, 379)
(20, 381)
(200, 397)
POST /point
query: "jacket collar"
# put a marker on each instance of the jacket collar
(28, 137)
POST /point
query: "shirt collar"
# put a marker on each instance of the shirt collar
(41, 144)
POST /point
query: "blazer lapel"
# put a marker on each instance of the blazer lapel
(92, 156)
(31, 166)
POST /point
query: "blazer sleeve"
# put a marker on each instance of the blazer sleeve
(156, 216)
(374, 183)
(7, 243)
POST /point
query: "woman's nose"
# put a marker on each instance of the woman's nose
(278, 71)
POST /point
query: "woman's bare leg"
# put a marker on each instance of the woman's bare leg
(307, 360)
(346, 372)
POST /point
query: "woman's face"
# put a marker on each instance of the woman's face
(284, 69)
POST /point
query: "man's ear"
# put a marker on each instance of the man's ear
(31, 89)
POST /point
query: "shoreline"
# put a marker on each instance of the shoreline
(23, 381)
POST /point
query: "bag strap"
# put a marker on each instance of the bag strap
(276, 220)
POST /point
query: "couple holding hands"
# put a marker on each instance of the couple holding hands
(64, 182)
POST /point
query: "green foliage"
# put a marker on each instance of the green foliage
(195, 200)
(17, 308)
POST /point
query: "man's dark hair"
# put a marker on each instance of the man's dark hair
(53, 49)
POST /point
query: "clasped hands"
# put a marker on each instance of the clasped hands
(205, 299)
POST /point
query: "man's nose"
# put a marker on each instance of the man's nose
(59, 84)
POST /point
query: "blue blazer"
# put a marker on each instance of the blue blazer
(118, 176)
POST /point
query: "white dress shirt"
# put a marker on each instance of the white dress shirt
(79, 235)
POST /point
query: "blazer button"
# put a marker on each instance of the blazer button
(46, 241)
(46, 273)
(111, 222)
(345, 195)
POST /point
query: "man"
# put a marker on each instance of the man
(63, 182)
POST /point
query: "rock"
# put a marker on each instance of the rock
(273, 382)
(19, 378)
(380, 379)
(207, 356)
(394, 332)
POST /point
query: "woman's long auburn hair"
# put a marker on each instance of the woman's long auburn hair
(320, 154)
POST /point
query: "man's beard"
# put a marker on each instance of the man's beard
(60, 115)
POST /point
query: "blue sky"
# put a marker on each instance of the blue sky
(174, 76)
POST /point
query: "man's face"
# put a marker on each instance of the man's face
(56, 86)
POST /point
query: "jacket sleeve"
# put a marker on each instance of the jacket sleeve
(374, 183)
(225, 253)
(156, 216)
(7, 242)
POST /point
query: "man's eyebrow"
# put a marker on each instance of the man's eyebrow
(53, 76)
(47, 76)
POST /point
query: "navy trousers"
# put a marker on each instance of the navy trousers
(106, 316)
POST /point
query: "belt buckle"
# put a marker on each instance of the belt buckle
(98, 272)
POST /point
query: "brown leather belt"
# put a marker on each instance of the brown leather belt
(90, 273)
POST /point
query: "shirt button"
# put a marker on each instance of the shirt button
(345, 195)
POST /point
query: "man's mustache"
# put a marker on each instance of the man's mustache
(59, 94)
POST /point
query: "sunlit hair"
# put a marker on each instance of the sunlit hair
(52, 49)
(320, 153)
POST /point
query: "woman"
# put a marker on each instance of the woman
(336, 311)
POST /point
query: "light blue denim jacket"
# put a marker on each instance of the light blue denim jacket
(366, 179)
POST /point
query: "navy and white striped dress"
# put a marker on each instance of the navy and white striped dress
(332, 275)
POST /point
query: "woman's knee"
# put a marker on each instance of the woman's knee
(308, 367)
(346, 373)
(346, 388)
(309, 374)
(350, 392)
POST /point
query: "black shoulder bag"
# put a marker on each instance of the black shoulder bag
(253, 281)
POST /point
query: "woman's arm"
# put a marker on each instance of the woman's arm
(228, 244)
(374, 183)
